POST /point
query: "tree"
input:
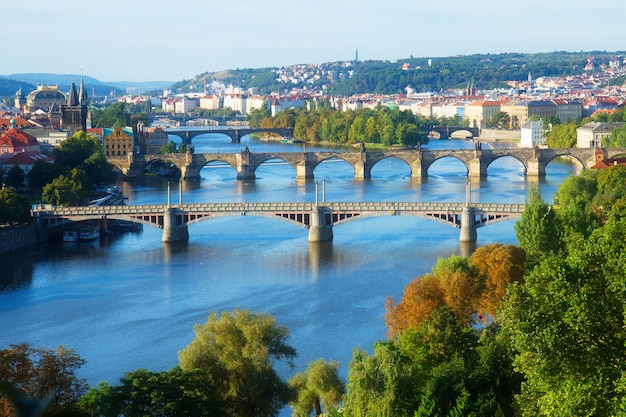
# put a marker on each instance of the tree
(499, 120)
(236, 351)
(561, 135)
(41, 174)
(13, 207)
(538, 231)
(62, 191)
(567, 324)
(74, 151)
(116, 115)
(318, 385)
(500, 265)
(15, 177)
(176, 393)
(39, 372)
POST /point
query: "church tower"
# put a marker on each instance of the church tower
(74, 113)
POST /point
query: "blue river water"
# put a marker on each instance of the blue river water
(129, 301)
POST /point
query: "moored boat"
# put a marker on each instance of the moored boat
(70, 236)
(125, 226)
(89, 233)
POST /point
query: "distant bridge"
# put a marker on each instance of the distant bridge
(319, 218)
(235, 133)
(245, 163)
(445, 132)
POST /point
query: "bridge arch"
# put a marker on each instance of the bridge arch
(503, 158)
(391, 160)
(438, 160)
(272, 159)
(336, 158)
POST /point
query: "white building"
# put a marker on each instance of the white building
(532, 134)
(591, 134)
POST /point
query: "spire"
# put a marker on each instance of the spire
(82, 93)
(73, 98)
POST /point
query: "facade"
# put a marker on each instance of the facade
(480, 111)
(517, 111)
(151, 140)
(118, 142)
(532, 134)
(591, 134)
(47, 99)
(541, 108)
(74, 112)
(568, 109)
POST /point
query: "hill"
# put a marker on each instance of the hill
(484, 71)
(10, 84)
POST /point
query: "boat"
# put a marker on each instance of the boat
(124, 226)
(89, 233)
(70, 236)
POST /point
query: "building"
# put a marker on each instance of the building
(14, 140)
(591, 134)
(74, 113)
(541, 108)
(517, 111)
(478, 112)
(532, 134)
(568, 109)
(151, 140)
(118, 142)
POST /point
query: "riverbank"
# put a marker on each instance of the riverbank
(15, 238)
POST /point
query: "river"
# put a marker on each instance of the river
(128, 301)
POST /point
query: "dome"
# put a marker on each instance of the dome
(47, 94)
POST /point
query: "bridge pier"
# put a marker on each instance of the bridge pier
(468, 225)
(320, 228)
(536, 168)
(173, 231)
(477, 168)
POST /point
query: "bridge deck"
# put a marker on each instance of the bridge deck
(44, 209)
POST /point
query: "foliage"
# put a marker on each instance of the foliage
(318, 385)
(176, 393)
(236, 351)
(15, 177)
(500, 265)
(13, 207)
(116, 115)
(561, 135)
(617, 138)
(74, 151)
(499, 120)
(538, 231)
(67, 190)
(567, 323)
(38, 372)
(611, 186)
(41, 174)
(584, 185)
(438, 367)
(384, 125)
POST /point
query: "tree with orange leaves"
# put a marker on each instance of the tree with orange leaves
(501, 265)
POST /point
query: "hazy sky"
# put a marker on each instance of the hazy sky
(158, 40)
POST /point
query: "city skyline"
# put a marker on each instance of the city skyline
(170, 41)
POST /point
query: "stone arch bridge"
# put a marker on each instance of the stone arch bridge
(419, 161)
(235, 134)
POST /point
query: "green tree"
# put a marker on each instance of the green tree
(71, 189)
(15, 177)
(74, 151)
(236, 351)
(41, 174)
(499, 120)
(584, 185)
(38, 372)
(538, 231)
(561, 135)
(13, 207)
(567, 324)
(116, 115)
(176, 393)
(318, 385)
(169, 147)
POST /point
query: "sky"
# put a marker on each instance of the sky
(159, 40)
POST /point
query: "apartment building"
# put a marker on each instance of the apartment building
(480, 111)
